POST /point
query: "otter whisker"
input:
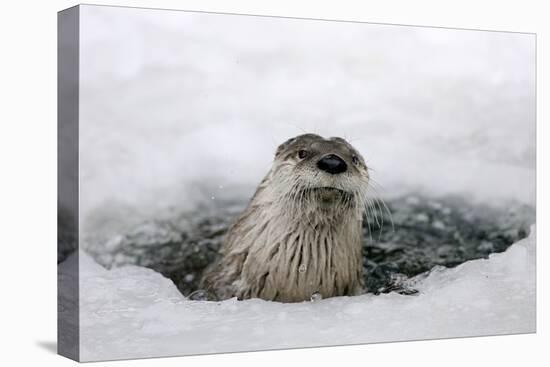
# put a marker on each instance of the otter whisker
(367, 213)
(381, 200)
(372, 203)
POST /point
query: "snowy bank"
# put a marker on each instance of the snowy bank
(135, 312)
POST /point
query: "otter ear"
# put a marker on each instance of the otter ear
(283, 146)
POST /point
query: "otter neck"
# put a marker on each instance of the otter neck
(292, 253)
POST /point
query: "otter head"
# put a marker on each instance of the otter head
(312, 173)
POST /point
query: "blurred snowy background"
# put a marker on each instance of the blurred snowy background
(178, 109)
(171, 100)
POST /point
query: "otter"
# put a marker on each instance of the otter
(301, 233)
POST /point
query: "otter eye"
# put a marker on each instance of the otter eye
(355, 160)
(302, 153)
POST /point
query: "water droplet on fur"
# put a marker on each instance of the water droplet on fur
(189, 277)
(316, 297)
(302, 268)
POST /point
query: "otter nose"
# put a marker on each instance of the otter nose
(332, 164)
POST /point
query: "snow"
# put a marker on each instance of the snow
(173, 103)
(133, 312)
(177, 108)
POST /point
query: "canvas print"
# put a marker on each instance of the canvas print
(240, 183)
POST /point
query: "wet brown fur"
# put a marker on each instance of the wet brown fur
(301, 232)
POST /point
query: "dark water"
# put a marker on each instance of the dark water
(425, 232)
(66, 233)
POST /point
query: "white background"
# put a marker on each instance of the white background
(28, 181)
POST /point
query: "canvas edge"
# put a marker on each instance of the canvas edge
(68, 330)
